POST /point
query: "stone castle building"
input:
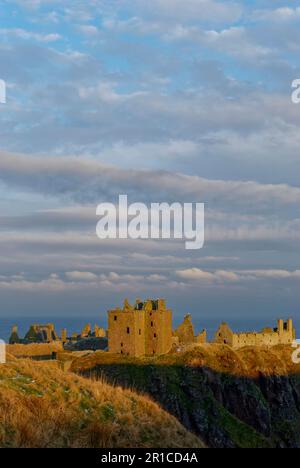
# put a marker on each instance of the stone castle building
(36, 334)
(144, 329)
(185, 333)
(284, 333)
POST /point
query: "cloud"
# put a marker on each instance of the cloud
(190, 10)
(105, 92)
(222, 276)
(28, 35)
(196, 274)
(81, 276)
(85, 282)
(125, 87)
(283, 14)
(88, 180)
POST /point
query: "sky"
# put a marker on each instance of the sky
(168, 100)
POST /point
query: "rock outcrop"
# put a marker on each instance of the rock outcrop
(251, 399)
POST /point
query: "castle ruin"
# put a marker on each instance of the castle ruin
(284, 333)
(41, 334)
(144, 329)
(185, 333)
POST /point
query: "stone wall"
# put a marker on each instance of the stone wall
(283, 334)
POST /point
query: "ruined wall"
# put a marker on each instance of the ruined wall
(224, 335)
(41, 334)
(99, 332)
(86, 331)
(185, 331)
(186, 334)
(283, 334)
(201, 338)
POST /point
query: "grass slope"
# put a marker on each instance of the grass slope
(42, 406)
(247, 362)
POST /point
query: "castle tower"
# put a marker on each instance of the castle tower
(145, 329)
(290, 327)
(64, 335)
(14, 337)
(280, 326)
(158, 323)
(49, 334)
(126, 330)
(86, 331)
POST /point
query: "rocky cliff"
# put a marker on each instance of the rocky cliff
(249, 398)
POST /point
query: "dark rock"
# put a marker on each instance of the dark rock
(225, 410)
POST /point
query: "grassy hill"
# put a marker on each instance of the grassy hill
(42, 406)
(247, 398)
(247, 362)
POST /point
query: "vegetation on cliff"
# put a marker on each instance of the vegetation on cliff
(247, 362)
(42, 406)
(244, 398)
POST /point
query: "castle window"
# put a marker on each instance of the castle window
(140, 331)
(155, 335)
(115, 318)
(121, 345)
(128, 330)
(151, 324)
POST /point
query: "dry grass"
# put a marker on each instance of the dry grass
(41, 406)
(249, 361)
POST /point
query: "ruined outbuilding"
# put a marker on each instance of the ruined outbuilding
(185, 333)
(41, 334)
(284, 333)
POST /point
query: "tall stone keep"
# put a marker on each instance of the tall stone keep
(144, 329)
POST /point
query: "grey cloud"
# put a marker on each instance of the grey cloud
(226, 276)
(90, 180)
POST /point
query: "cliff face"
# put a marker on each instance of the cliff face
(237, 407)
